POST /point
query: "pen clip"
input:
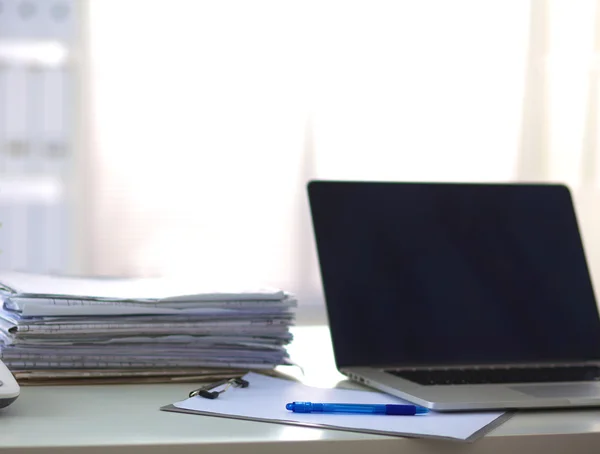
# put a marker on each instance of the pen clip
(208, 393)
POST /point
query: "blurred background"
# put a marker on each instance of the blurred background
(176, 138)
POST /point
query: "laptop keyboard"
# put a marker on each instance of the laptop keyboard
(500, 375)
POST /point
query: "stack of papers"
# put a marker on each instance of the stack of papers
(52, 326)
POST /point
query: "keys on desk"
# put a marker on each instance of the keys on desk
(500, 375)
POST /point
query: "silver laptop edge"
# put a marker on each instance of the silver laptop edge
(475, 397)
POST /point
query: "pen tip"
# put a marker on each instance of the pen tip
(289, 406)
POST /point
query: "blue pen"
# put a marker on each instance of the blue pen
(370, 409)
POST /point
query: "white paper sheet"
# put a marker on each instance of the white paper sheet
(266, 397)
(27, 284)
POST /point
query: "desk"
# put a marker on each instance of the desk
(125, 419)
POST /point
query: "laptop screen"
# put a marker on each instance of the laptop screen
(449, 273)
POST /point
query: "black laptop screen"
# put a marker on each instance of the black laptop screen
(445, 273)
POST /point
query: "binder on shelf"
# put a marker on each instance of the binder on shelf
(35, 116)
(11, 23)
(17, 145)
(3, 117)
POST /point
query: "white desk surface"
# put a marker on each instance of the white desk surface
(126, 418)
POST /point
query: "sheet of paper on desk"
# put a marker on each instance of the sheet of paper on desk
(142, 289)
(265, 399)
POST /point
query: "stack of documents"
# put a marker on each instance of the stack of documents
(59, 328)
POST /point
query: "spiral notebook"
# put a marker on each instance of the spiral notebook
(265, 397)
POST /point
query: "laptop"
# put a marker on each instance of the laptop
(459, 296)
